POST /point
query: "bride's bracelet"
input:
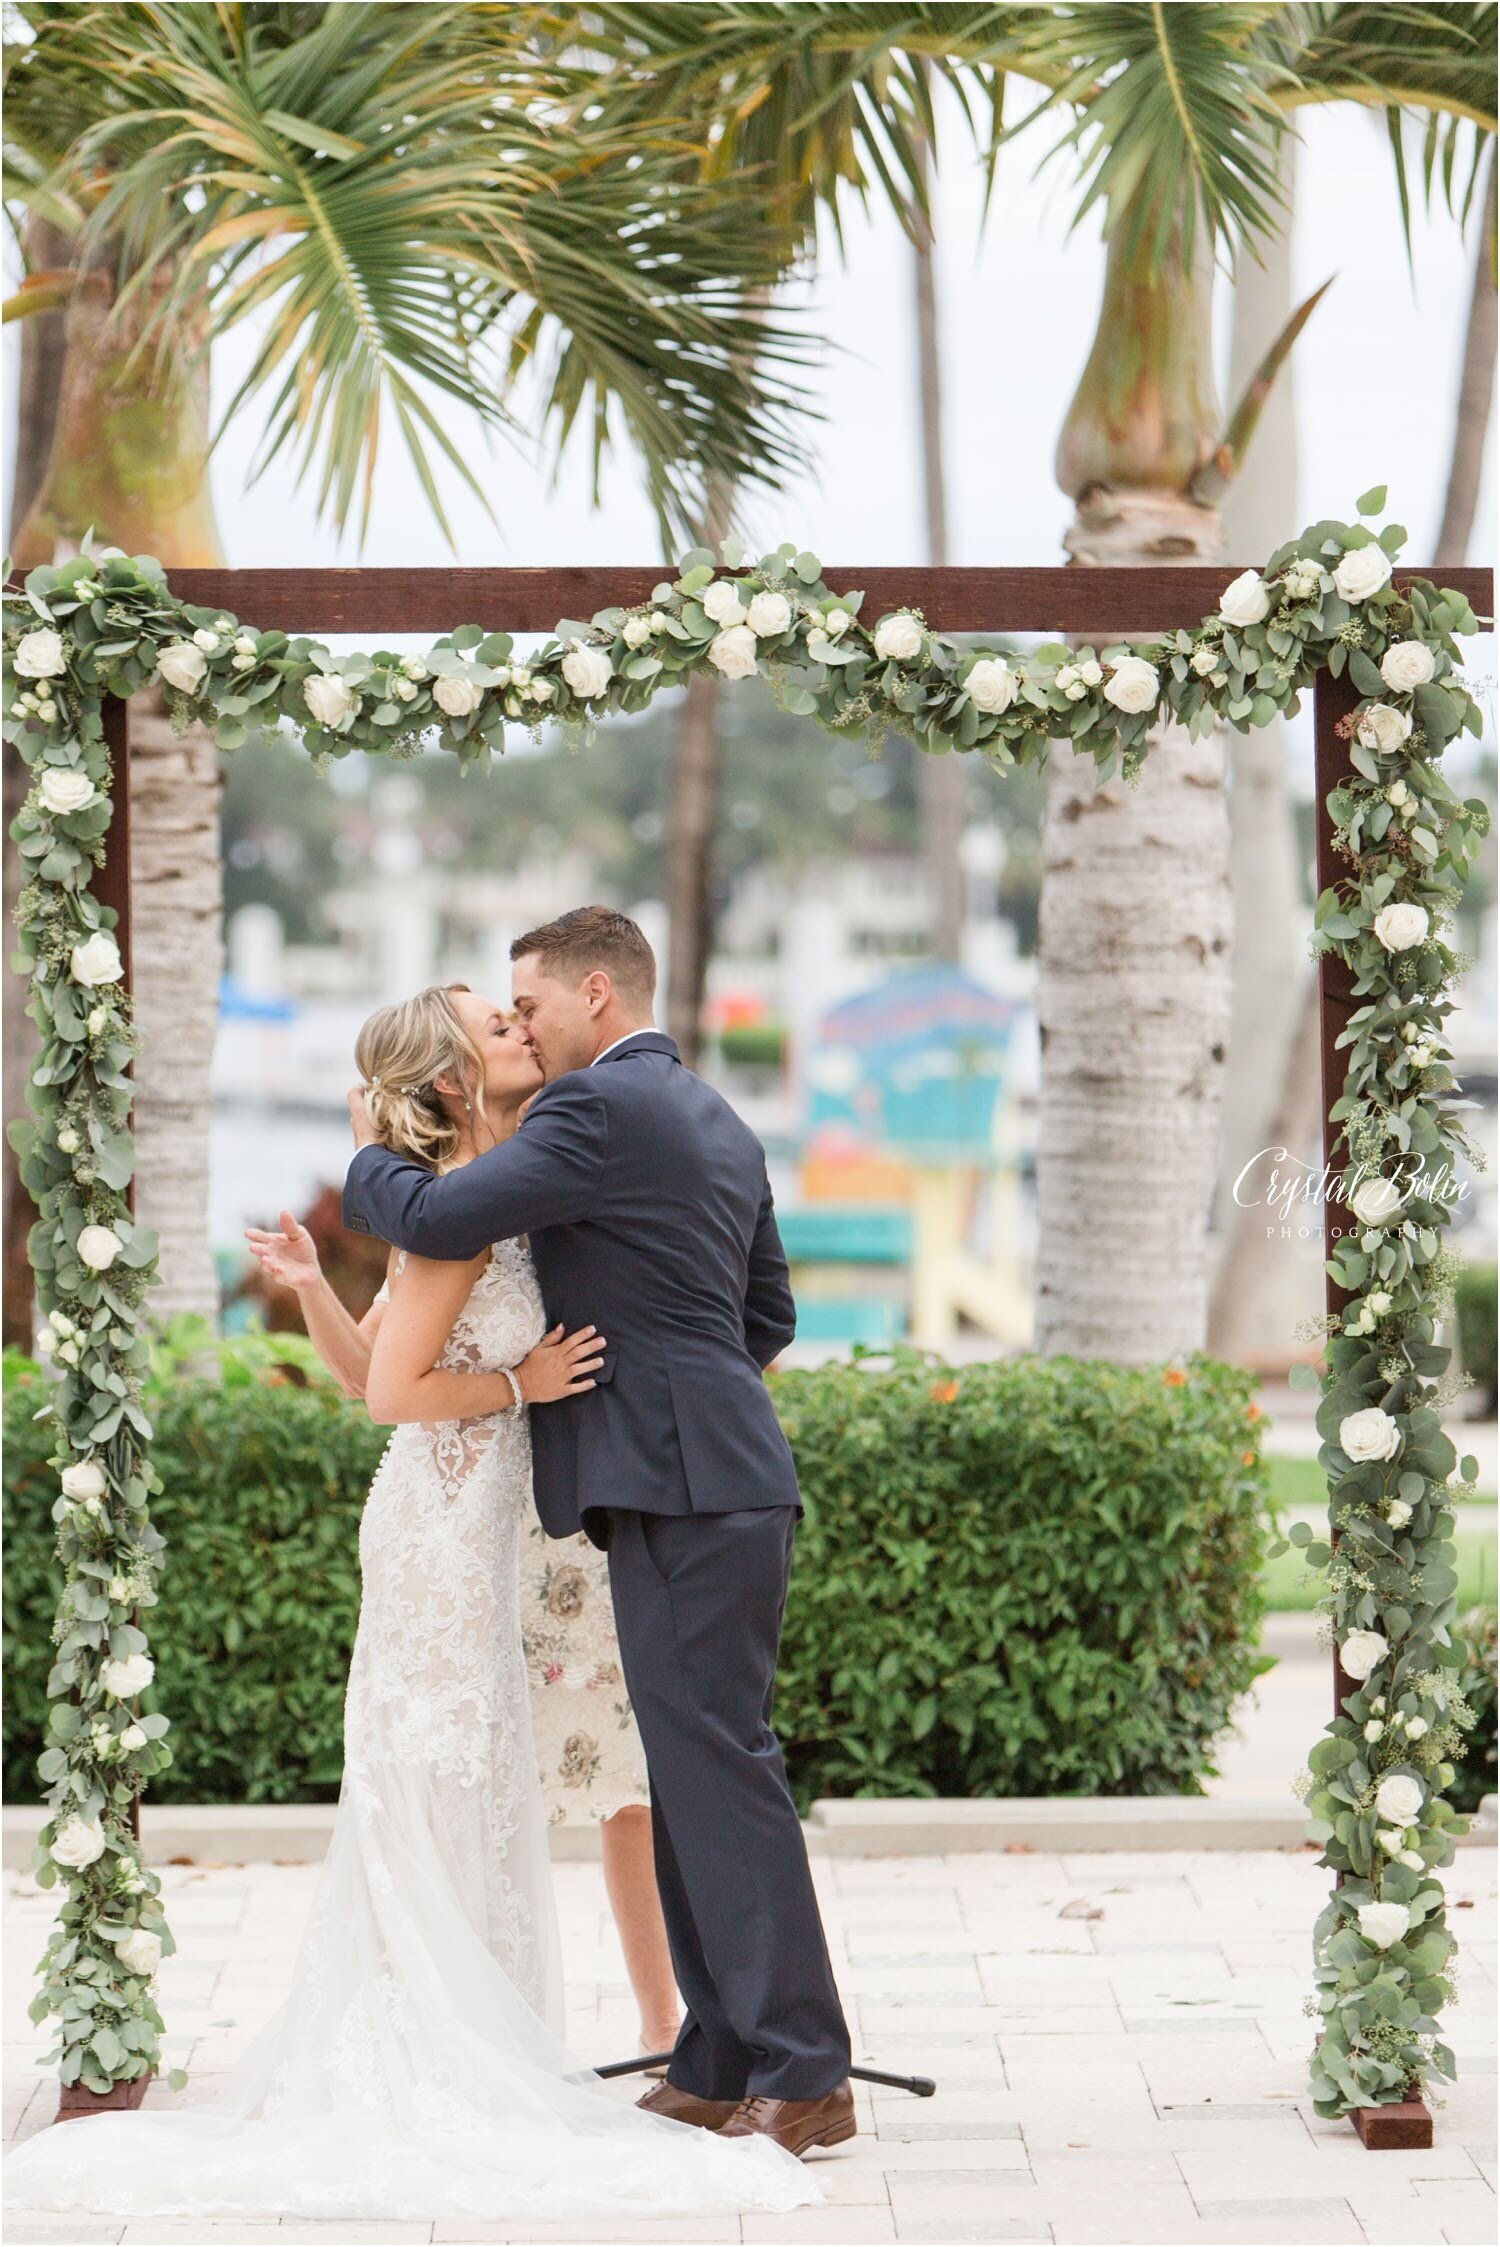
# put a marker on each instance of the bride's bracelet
(515, 1386)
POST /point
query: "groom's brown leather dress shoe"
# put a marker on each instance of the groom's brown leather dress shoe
(797, 2124)
(682, 2106)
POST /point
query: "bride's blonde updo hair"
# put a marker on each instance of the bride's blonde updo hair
(400, 1053)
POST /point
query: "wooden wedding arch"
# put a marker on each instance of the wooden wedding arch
(1100, 605)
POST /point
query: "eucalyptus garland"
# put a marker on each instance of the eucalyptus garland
(107, 623)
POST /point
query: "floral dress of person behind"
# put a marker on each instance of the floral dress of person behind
(590, 1753)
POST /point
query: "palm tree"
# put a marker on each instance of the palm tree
(1176, 116)
(1475, 391)
(802, 104)
(418, 207)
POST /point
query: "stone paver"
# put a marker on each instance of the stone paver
(1118, 2040)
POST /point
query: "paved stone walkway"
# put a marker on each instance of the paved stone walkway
(1118, 2040)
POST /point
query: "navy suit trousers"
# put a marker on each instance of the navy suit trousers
(698, 1604)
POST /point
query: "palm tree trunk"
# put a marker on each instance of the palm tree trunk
(129, 458)
(48, 249)
(692, 823)
(1133, 946)
(1271, 966)
(1475, 390)
(944, 780)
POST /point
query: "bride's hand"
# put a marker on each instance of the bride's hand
(559, 1365)
(289, 1257)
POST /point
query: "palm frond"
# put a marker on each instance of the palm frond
(417, 205)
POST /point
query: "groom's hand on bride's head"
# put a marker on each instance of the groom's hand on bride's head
(359, 1118)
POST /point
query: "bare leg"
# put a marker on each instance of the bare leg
(630, 1877)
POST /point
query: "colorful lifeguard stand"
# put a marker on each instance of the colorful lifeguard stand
(907, 1158)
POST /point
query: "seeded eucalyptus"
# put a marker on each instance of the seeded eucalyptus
(108, 624)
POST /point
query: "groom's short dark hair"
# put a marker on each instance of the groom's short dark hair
(594, 936)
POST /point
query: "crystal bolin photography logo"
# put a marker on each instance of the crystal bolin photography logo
(1279, 1182)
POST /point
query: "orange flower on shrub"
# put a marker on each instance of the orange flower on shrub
(1174, 1379)
(1249, 1458)
(1253, 1412)
(944, 1392)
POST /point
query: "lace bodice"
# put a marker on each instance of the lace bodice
(502, 1320)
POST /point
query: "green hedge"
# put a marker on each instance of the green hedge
(1037, 1577)
(1476, 1632)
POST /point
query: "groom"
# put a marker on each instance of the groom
(649, 1215)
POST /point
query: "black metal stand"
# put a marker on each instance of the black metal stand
(920, 2086)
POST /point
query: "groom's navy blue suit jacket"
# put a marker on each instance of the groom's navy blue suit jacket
(649, 1214)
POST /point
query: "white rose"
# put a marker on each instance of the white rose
(1400, 927)
(97, 960)
(208, 641)
(1399, 1799)
(1414, 1858)
(1398, 1513)
(898, 639)
(63, 791)
(78, 1842)
(1383, 1924)
(1382, 727)
(119, 1590)
(992, 684)
(1376, 1200)
(1362, 1652)
(659, 620)
(84, 1479)
(139, 1951)
(96, 1022)
(414, 666)
(837, 621)
(1378, 1702)
(1204, 660)
(459, 697)
(722, 602)
(1371, 1434)
(1305, 579)
(132, 1738)
(1407, 664)
(39, 655)
(1379, 1302)
(521, 675)
(331, 699)
(70, 1353)
(98, 1246)
(1398, 794)
(541, 690)
(1091, 672)
(1416, 1727)
(1392, 1840)
(182, 666)
(1067, 676)
(67, 1140)
(1374, 1728)
(636, 631)
(245, 644)
(404, 690)
(242, 663)
(1363, 570)
(770, 613)
(588, 671)
(125, 1678)
(1077, 691)
(1133, 684)
(733, 652)
(46, 1341)
(1246, 601)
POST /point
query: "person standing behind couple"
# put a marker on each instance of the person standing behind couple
(649, 1214)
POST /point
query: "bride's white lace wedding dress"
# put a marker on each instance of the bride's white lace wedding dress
(416, 2069)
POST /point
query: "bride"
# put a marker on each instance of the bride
(416, 2068)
